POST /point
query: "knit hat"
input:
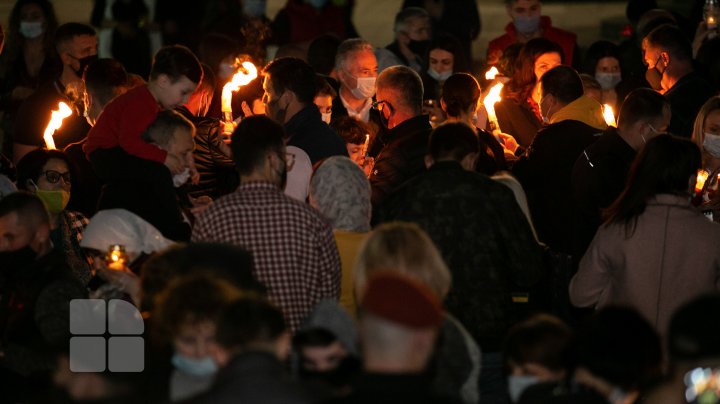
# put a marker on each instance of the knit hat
(402, 300)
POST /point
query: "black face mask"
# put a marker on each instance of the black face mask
(84, 63)
(418, 47)
(12, 262)
(654, 76)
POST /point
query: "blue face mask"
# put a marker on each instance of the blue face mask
(527, 25)
(517, 384)
(196, 367)
(439, 76)
(254, 8)
(318, 3)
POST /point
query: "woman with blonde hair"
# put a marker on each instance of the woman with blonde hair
(406, 248)
(706, 135)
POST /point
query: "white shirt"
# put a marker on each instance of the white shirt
(363, 114)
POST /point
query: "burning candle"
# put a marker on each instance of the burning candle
(246, 74)
(491, 73)
(489, 102)
(366, 145)
(116, 257)
(609, 115)
(702, 176)
(56, 120)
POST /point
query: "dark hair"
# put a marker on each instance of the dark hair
(590, 83)
(324, 88)
(31, 165)
(621, 347)
(225, 261)
(208, 83)
(104, 79)
(350, 129)
(162, 130)
(509, 59)
(176, 62)
(294, 75)
(28, 207)
(214, 47)
(452, 140)
(597, 51)
(523, 81)
(15, 40)
(664, 166)
(408, 13)
(321, 53)
(314, 337)
(692, 335)
(253, 139)
(406, 83)
(542, 339)
(460, 92)
(249, 320)
(449, 44)
(642, 104)
(671, 39)
(68, 31)
(563, 83)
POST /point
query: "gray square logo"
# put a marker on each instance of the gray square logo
(87, 316)
(87, 354)
(126, 354)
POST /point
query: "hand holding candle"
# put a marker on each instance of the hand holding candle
(702, 176)
(56, 120)
(246, 74)
(489, 102)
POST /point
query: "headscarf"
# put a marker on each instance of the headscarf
(340, 190)
(119, 226)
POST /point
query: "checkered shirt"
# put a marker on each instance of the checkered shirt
(293, 247)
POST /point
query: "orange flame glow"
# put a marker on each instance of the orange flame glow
(245, 75)
(702, 176)
(489, 102)
(609, 115)
(56, 120)
(491, 73)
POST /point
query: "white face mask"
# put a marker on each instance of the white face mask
(180, 179)
(326, 116)
(517, 384)
(365, 88)
(30, 29)
(608, 81)
(439, 76)
(711, 144)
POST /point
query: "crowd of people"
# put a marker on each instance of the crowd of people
(354, 223)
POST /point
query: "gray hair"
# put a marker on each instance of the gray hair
(348, 47)
(405, 15)
(405, 82)
(340, 190)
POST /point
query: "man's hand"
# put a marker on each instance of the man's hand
(200, 204)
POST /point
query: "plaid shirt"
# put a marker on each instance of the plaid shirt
(293, 247)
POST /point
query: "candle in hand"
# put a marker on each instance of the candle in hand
(56, 120)
(489, 102)
(245, 75)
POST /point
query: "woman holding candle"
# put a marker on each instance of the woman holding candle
(518, 112)
(706, 134)
(655, 251)
(48, 174)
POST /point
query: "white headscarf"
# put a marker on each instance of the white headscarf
(119, 226)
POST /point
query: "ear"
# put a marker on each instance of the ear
(283, 345)
(443, 106)
(468, 162)
(429, 161)
(163, 80)
(665, 58)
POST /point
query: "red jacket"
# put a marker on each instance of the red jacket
(565, 39)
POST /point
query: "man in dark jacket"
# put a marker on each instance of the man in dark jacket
(601, 170)
(399, 99)
(544, 170)
(290, 86)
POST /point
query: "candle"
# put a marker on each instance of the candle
(246, 74)
(489, 102)
(609, 115)
(702, 176)
(366, 145)
(491, 73)
(56, 120)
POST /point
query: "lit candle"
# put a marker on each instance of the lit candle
(116, 257)
(366, 145)
(702, 176)
(56, 120)
(491, 73)
(489, 102)
(609, 115)
(245, 75)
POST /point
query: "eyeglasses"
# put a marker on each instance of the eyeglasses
(53, 176)
(380, 105)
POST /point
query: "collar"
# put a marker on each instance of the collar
(363, 114)
(670, 200)
(446, 165)
(411, 126)
(583, 109)
(302, 117)
(257, 186)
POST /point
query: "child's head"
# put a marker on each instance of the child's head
(175, 75)
(353, 133)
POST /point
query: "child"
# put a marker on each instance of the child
(175, 75)
(354, 133)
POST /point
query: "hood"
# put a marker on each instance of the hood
(329, 315)
(585, 110)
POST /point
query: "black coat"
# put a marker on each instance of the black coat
(518, 121)
(686, 98)
(544, 172)
(307, 131)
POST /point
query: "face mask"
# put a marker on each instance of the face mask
(518, 384)
(31, 30)
(608, 81)
(55, 201)
(318, 3)
(711, 144)
(84, 62)
(196, 367)
(11, 261)
(527, 25)
(326, 116)
(545, 118)
(418, 47)
(617, 395)
(274, 112)
(654, 76)
(254, 8)
(180, 179)
(365, 88)
(439, 76)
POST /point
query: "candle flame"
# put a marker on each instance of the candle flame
(491, 98)
(491, 73)
(702, 176)
(366, 145)
(245, 75)
(56, 120)
(609, 115)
